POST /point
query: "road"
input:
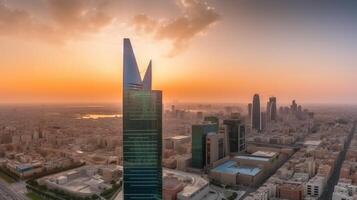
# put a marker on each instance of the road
(336, 173)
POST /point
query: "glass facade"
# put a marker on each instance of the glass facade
(235, 132)
(214, 120)
(142, 144)
(199, 133)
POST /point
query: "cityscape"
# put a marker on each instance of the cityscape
(145, 125)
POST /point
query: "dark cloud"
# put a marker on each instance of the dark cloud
(69, 19)
(196, 17)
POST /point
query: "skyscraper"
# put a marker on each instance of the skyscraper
(272, 109)
(256, 113)
(213, 120)
(294, 107)
(250, 105)
(234, 135)
(142, 132)
(263, 120)
(199, 133)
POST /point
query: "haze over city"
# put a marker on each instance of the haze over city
(178, 100)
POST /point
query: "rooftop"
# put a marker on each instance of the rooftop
(230, 167)
(312, 142)
(180, 137)
(269, 154)
(253, 158)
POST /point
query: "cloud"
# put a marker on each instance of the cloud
(69, 19)
(196, 17)
(79, 16)
(20, 23)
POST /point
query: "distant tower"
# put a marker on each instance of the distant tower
(294, 107)
(142, 132)
(250, 111)
(263, 120)
(256, 113)
(272, 115)
(268, 110)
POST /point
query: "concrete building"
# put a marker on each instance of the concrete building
(176, 142)
(183, 162)
(171, 187)
(345, 191)
(315, 186)
(267, 161)
(214, 148)
(229, 173)
(291, 191)
(82, 182)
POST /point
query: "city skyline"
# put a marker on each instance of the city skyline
(75, 58)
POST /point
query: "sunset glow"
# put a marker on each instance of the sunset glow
(46, 57)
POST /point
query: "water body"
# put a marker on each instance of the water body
(100, 116)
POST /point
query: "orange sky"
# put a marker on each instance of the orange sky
(199, 54)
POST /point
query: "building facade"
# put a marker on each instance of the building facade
(199, 133)
(256, 113)
(234, 136)
(142, 132)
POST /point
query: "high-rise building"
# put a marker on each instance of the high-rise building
(268, 110)
(250, 111)
(199, 133)
(142, 132)
(264, 121)
(214, 120)
(214, 147)
(272, 109)
(234, 136)
(294, 107)
(256, 113)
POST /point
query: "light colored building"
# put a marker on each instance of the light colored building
(183, 162)
(214, 148)
(315, 186)
(344, 191)
(82, 182)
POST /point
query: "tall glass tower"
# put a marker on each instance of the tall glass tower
(256, 113)
(142, 132)
(235, 136)
(199, 133)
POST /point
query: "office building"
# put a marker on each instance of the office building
(199, 133)
(229, 173)
(214, 148)
(142, 132)
(272, 109)
(234, 136)
(264, 120)
(315, 186)
(214, 120)
(256, 113)
(250, 111)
